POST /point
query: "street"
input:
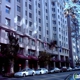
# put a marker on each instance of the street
(54, 76)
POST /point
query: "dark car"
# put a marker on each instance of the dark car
(63, 69)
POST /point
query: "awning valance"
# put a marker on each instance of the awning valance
(21, 56)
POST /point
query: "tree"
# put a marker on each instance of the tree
(52, 44)
(44, 58)
(12, 50)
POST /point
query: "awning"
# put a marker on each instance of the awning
(34, 58)
(21, 56)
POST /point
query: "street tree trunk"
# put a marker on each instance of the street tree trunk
(12, 66)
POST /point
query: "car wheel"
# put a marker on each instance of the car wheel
(40, 72)
(24, 75)
(33, 74)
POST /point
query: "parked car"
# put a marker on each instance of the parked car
(41, 71)
(25, 72)
(69, 69)
(57, 69)
(75, 68)
(64, 68)
(54, 70)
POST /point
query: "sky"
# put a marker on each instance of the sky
(76, 7)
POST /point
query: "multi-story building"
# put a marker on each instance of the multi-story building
(31, 19)
(73, 33)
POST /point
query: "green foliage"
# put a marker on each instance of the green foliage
(11, 49)
(44, 57)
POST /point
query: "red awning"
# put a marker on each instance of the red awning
(29, 57)
(21, 56)
(34, 58)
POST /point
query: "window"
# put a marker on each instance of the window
(47, 24)
(30, 32)
(8, 1)
(53, 15)
(7, 9)
(7, 21)
(30, 6)
(54, 22)
(18, 8)
(26, 4)
(39, 20)
(38, 5)
(47, 39)
(47, 17)
(30, 23)
(26, 13)
(54, 28)
(30, 15)
(55, 36)
(26, 21)
(46, 4)
(47, 32)
(39, 36)
(53, 3)
(18, 28)
(39, 12)
(18, 18)
(53, 9)
(18, 0)
(46, 10)
(39, 28)
(20, 39)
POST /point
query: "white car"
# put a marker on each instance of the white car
(69, 69)
(41, 71)
(25, 72)
(55, 70)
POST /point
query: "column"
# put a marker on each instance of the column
(54, 64)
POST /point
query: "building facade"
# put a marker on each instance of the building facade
(36, 23)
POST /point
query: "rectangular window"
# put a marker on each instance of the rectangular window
(18, 18)
(53, 3)
(54, 22)
(47, 17)
(8, 1)
(39, 20)
(7, 21)
(38, 5)
(39, 36)
(53, 9)
(54, 28)
(7, 9)
(30, 24)
(39, 28)
(53, 15)
(18, 28)
(26, 13)
(46, 24)
(47, 32)
(30, 32)
(30, 6)
(26, 4)
(26, 21)
(18, 1)
(39, 12)
(30, 15)
(18, 8)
